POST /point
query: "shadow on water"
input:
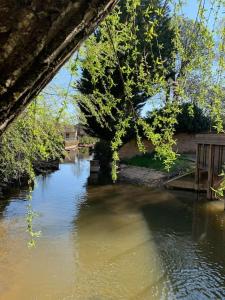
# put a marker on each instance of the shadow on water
(184, 239)
(190, 237)
(99, 179)
(14, 194)
(115, 253)
(74, 158)
(111, 242)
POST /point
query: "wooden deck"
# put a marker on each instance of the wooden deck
(210, 154)
(187, 182)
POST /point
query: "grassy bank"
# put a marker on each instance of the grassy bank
(182, 164)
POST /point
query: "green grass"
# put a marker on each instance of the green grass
(149, 161)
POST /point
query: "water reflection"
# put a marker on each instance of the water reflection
(188, 238)
(111, 242)
(74, 156)
(208, 230)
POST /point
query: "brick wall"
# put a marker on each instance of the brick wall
(185, 144)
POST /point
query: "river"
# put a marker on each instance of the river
(110, 242)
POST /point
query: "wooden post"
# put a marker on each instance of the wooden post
(197, 167)
(210, 171)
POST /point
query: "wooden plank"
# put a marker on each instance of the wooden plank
(197, 166)
(210, 139)
(179, 177)
(210, 172)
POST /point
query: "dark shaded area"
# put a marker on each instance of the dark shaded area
(16, 191)
(40, 168)
(103, 153)
(191, 119)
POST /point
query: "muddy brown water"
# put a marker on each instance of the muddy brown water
(110, 242)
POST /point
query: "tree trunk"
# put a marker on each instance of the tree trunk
(36, 38)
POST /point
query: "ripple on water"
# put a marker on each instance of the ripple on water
(111, 242)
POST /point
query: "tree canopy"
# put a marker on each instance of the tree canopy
(194, 121)
(116, 51)
(126, 57)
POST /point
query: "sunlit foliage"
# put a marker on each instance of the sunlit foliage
(35, 136)
(198, 50)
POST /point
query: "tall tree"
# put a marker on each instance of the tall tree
(121, 66)
(116, 51)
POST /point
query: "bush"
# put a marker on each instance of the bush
(192, 120)
(149, 160)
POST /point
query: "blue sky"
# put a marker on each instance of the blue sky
(63, 77)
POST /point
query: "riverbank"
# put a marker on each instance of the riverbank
(40, 168)
(143, 176)
(149, 171)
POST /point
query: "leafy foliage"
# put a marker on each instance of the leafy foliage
(121, 66)
(192, 122)
(115, 48)
(34, 136)
(190, 119)
(86, 139)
